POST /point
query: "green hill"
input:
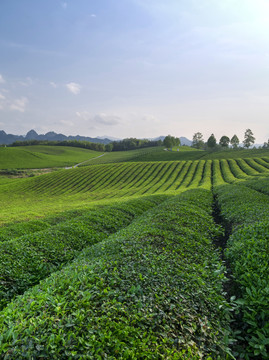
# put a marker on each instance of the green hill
(37, 157)
(165, 271)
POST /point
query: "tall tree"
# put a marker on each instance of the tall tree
(266, 145)
(170, 141)
(211, 142)
(235, 141)
(198, 141)
(224, 141)
(249, 139)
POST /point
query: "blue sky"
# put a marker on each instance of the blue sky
(135, 68)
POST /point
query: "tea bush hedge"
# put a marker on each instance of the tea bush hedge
(154, 290)
(28, 259)
(248, 255)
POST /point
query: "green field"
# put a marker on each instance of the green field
(143, 254)
(37, 157)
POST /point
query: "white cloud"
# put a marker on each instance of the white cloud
(99, 119)
(2, 80)
(93, 15)
(53, 84)
(19, 104)
(2, 97)
(74, 88)
(67, 122)
(64, 5)
(27, 82)
(150, 119)
(106, 119)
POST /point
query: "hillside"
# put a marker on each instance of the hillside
(37, 157)
(127, 254)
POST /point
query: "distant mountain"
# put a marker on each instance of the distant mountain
(8, 139)
(51, 136)
(108, 137)
(185, 141)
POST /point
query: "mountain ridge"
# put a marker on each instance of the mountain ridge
(7, 139)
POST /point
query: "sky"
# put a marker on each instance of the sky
(135, 68)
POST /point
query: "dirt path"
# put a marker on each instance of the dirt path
(74, 166)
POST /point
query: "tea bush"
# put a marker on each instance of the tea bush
(248, 255)
(28, 259)
(151, 291)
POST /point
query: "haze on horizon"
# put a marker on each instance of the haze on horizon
(135, 68)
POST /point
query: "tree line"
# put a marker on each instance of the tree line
(224, 142)
(169, 142)
(122, 145)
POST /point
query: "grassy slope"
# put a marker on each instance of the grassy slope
(78, 188)
(23, 199)
(150, 154)
(29, 157)
(124, 176)
(237, 154)
(184, 153)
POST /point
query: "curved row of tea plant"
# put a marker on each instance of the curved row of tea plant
(261, 184)
(248, 254)
(151, 291)
(14, 230)
(30, 258)
(75, 188)
(142, 177)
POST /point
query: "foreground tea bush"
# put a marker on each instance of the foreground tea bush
(16, 230)
(241, 205)
(151, 291)
(248, 254)
(261, 184)
(28, 259)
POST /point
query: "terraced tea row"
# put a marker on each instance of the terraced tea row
(151, 291)
(53, 193)
(30, 258)
(145, 178)
(246, 211)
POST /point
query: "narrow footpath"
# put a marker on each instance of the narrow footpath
(74, 166)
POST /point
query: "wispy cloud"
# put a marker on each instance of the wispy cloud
(67, 122)
(93, 15)
(30, 49)
(2, 80)
(19, 104)
(106, 119)
(99, 119)
(64, 5)
(74, 88)
(27, 82)
(53, 84)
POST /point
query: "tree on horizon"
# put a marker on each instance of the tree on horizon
(211, 142)
(249, 139)
(198, 141)
(224, 141)
(235, 141)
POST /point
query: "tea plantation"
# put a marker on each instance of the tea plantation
(144, 254)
